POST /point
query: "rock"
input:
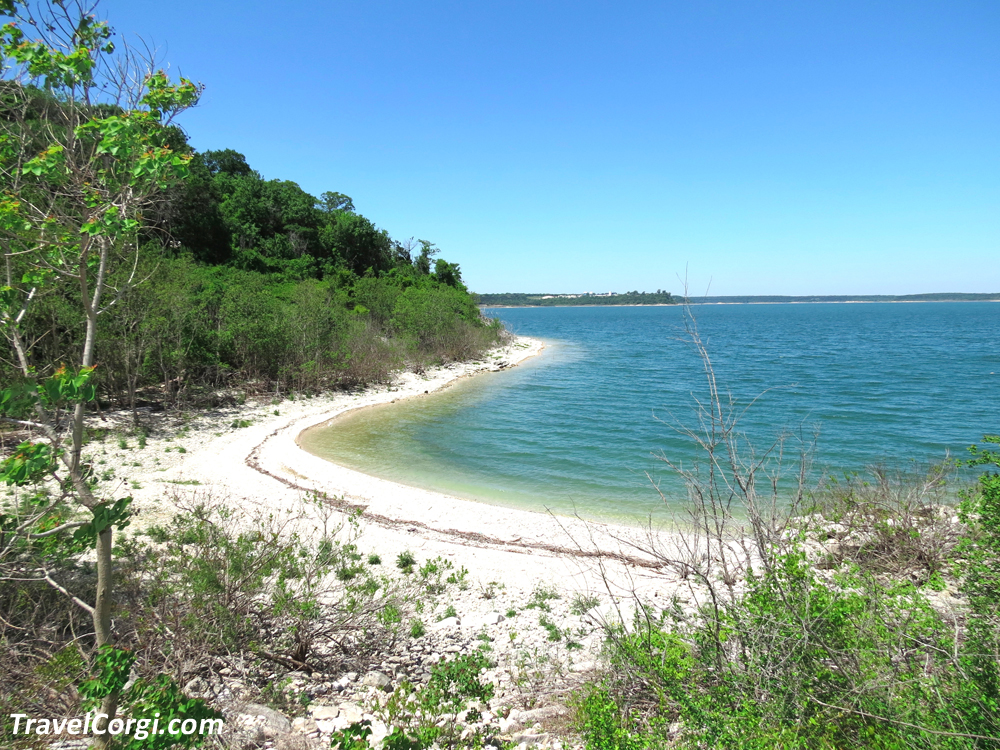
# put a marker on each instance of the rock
(509, 724)
(379, 732)
(541, 714)
(304, 725)
(378, 680)
(351, 713)
(328, 726)
(271, 723)
(530, 739)
(324, 712)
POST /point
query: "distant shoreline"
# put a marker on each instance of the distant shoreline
(765, 300)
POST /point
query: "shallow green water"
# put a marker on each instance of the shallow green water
(578, 428)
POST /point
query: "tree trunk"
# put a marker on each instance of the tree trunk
(102, 624)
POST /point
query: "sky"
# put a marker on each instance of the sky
(747, 146)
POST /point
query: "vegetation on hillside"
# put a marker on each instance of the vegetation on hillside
(223, 278)
(102, 300)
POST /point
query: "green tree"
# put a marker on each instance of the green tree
(356, 242)
(84, 151)
(331, 202)
(448, 273)
(423, 261)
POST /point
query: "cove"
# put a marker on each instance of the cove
(577, 429)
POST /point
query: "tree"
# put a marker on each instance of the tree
(447, 273)
(353, 240)
(423, 261)
(84, 151)
(332, 202)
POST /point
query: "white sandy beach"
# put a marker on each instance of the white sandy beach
(260, 468)
(247, 457)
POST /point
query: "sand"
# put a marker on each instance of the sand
(248, 458)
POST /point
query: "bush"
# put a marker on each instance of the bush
(796, 662)
(416, 712)
(224, 584)
(443, 323)
(856, 658)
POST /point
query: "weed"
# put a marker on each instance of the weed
(405, 561)
(354, 737)
(390, 615)
(555, 634)
(489, 591)
(459, 578)
(541, 597)
(583, 603)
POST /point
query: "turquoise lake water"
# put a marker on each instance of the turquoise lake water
(578, 428)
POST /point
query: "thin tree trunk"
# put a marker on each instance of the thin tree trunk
(105, 567)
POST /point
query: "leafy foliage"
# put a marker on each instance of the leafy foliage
(802, 660)
(454, 686)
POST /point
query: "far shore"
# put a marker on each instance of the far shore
(762, 302)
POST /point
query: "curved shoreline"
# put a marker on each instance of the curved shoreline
(247, 457)
(535, 348)
(394, 505)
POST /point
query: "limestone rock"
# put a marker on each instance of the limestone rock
(378, 680)
(324, 712)
(271, 723)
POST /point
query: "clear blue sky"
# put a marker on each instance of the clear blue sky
(770, 146)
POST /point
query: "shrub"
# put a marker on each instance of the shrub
(225, 584)
(583, 603)
(405, 561)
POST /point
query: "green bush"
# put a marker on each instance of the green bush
(443, 322)
(981, 565)
(797, 662)
(415, 713)
(856, 658)
(405, 561)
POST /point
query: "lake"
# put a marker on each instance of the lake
(580, 428)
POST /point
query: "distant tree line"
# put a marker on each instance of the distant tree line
(515, 299)
(774, 299)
